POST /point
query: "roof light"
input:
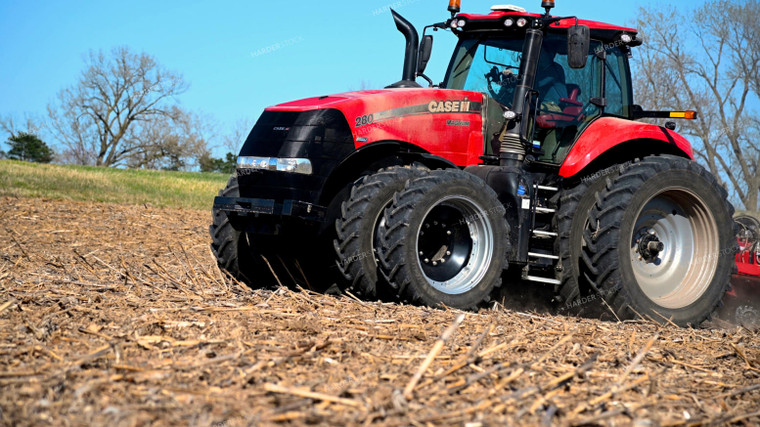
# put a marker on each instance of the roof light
(455, 6)
(509, 22)
(461, 23)
(507, 8)
(626, 38)
(522, 22)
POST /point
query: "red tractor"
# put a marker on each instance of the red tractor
(526, 159)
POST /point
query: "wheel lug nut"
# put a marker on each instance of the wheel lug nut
(434, 263)
(448, 252)
(422, 253)
(427, 261)
(448, 233)
(435, 222)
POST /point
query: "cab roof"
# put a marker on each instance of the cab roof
(495, 21)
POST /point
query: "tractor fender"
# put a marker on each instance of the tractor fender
(608, 133)
(378, 155)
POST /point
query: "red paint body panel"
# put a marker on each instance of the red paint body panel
(749, 264)
(405, 115)
(608, 132)
(747, 280)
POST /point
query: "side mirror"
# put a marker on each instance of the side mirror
(578, 41)
(426, 49)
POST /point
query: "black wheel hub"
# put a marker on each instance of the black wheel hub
(650, 246)
(444, 243)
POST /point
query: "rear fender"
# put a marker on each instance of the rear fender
(608, 138)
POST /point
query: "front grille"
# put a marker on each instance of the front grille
(322, 136)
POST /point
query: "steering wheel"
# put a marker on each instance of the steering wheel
(506, 80)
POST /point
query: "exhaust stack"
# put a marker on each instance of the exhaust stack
(410, 56)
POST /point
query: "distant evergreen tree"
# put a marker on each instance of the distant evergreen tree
(29, 148)
(212, 164)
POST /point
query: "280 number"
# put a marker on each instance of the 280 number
(364, 120)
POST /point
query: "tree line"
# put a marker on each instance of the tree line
(124, 112)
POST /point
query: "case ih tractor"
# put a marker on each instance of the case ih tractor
(527, 158)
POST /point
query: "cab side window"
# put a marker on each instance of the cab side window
(616, 84)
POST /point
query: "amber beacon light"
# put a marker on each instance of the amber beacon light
(548, 5)
(455, 6)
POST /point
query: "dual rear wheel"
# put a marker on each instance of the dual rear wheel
(658, 242)
(427, 237)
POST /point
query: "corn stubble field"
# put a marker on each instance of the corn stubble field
(116, 315)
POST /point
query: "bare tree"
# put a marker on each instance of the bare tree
(32, 125)
(233, 141)
(175, 147)
(708, 59)
(120, 101)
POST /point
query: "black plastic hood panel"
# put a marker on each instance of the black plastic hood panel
(322, 136)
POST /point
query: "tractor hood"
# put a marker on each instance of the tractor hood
(381, 98)
(446, 122)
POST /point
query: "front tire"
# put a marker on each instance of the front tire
(445, 241)
(660, 242)
(356, 228)
(233, 251)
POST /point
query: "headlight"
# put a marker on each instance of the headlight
(302, 166)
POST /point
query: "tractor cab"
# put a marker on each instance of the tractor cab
(559, 95)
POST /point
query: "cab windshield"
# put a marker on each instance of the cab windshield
(489, 66)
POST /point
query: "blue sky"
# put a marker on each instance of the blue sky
(227, 50)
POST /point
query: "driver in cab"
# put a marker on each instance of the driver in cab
(550, 83)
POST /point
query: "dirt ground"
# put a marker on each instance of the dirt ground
(116, 315)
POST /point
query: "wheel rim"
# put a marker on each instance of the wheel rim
(454, 245)
(674, 248)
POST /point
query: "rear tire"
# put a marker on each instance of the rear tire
(233, 251)
(660, 242)
(571, 220)
(358, 223)
(445, 241)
